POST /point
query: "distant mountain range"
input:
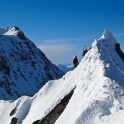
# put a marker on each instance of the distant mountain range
(24, 68)
(65, 68)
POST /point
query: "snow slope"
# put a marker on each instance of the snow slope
(98, 97)
(24, 68)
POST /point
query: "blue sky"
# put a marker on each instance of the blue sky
(60, 28)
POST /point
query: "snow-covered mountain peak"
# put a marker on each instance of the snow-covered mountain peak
(13, 31)
(98, 97)
(108, 36)
(9, 30)
(24, 68)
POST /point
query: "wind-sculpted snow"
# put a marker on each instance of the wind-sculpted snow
(24, 69)
(98, 97)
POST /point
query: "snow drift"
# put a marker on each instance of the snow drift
(98, 97)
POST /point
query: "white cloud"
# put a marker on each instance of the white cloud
(65, 40)
(58, 46)
(57, 41)
(62, 50)
(56, 49)
(118, 35)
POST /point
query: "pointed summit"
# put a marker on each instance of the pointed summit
(108, 35)
(14, 31)
(98, 97)
(24, 68)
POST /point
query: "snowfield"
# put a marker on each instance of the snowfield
(98, 96)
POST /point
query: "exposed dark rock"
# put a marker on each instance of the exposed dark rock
(21, 35)
(13, 111)
(36, 122)
(56, 112)
(119, 51)
(14, 120)
(16, 28)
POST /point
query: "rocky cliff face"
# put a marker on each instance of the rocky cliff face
(57, 111)
(24, 68)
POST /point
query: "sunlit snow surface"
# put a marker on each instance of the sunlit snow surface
(98, 97)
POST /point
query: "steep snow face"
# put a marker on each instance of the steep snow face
(107, 35)
(24, 69)
(9, 30)
(14, 31)
(98, 97)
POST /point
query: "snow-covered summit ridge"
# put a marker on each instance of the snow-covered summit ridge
(9, 30)
(108, 36)
(109, 42)
(99, 93)
(13, 31)
(98, 97)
